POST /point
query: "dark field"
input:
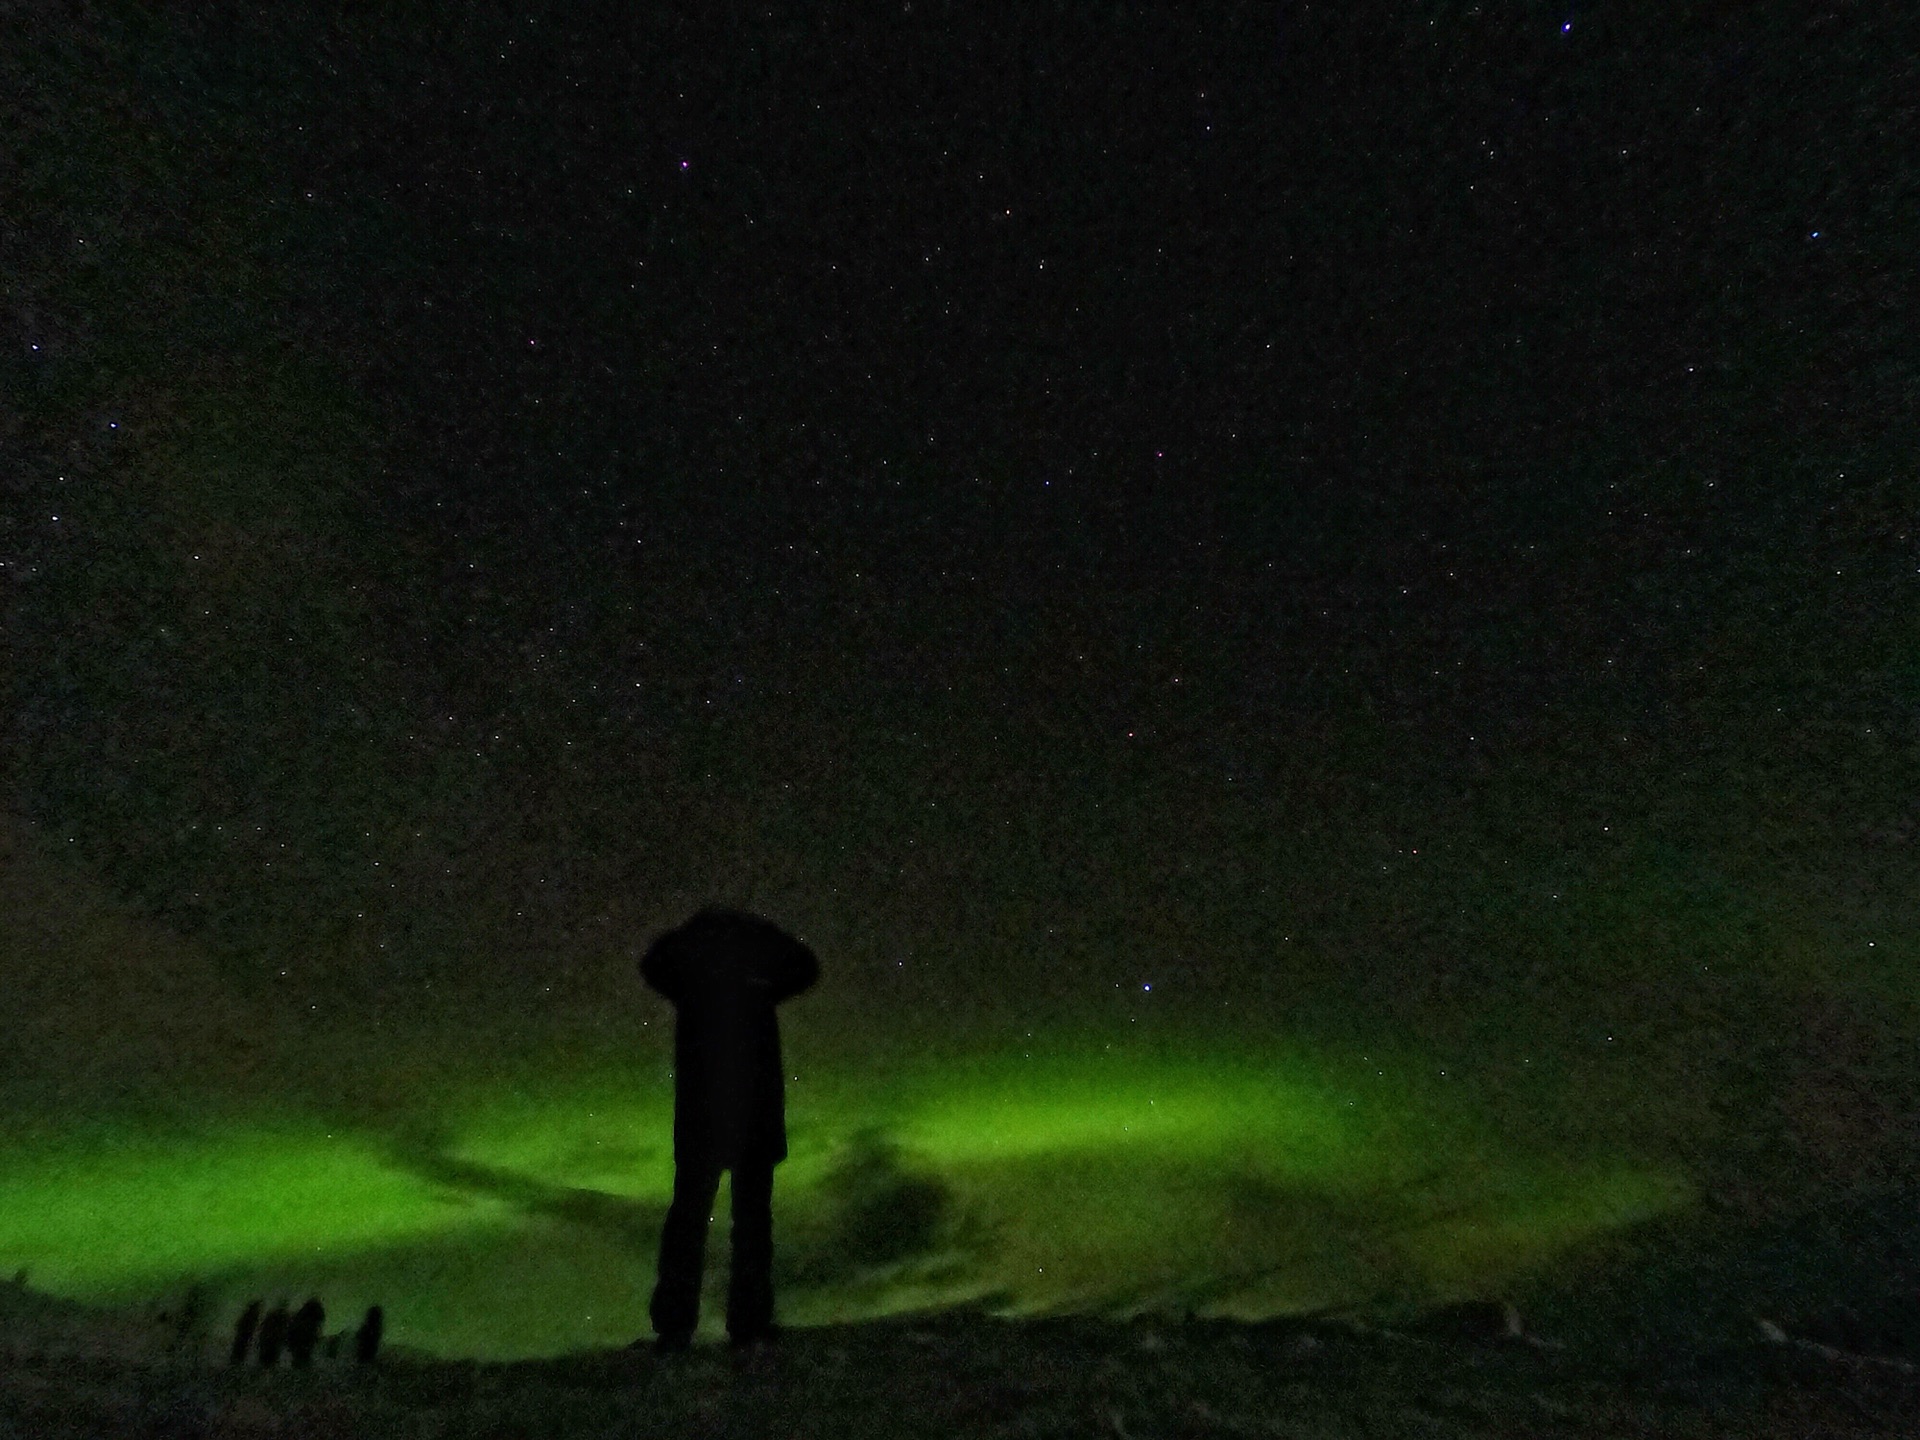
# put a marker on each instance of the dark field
(1778, 1330)
(964, 1373)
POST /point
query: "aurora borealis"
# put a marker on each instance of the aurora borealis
(1314, 614)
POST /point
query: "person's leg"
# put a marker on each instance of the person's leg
(675, 1308)
(750, 1284)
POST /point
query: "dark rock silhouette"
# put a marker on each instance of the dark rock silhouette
(273, 1335)
(724, 971)
(243, 1329)
(303, 1332)
(366, 1340)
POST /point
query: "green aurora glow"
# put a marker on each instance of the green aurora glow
(1079, 1178)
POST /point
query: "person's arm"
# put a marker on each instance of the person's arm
(795, 971)
(661, 967)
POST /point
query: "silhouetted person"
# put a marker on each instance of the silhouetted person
(273, 1335)
(724, 971)
(243, 1329)
(189, 1322)
(366, 1340)
(303, 1332)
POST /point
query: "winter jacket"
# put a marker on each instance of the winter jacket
(725, 971)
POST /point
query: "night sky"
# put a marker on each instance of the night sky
(1276, 519)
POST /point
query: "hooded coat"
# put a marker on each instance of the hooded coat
(724, 972)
